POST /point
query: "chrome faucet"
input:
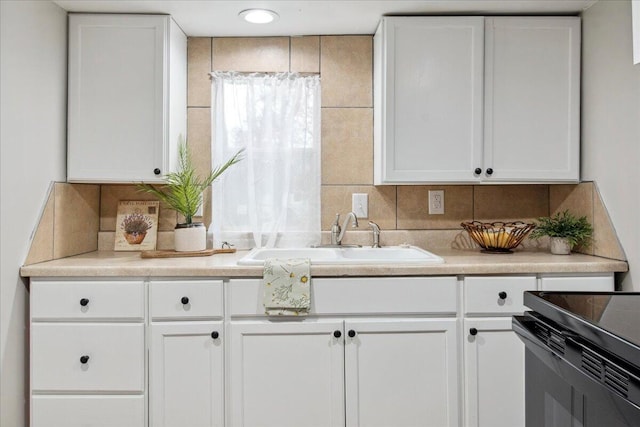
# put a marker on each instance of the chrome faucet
(376, 234)
(337, 232)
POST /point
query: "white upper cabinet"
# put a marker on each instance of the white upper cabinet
(127, 97)
(427, 99)
(532, 99)
(474, 99)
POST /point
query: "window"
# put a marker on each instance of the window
(272, 197)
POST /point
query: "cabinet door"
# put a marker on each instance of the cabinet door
(116, 97)
(186, 380)
(286, 374)
(428, 99)
(401, 373)
(532, 99)
(494, 374)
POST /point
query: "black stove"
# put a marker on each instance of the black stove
(582, 358)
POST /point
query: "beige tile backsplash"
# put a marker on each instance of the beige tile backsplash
(70, 220)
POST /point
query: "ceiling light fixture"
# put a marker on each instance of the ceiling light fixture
(258, 16)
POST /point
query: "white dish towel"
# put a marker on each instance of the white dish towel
(286, 284)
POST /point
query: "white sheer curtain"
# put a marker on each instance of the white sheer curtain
(272, 197)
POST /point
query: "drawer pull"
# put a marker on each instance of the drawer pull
(473, 331)
(215, 335)
(84, 359)
(84, 302)
(502, 295)
(337, 334)
(351, 333)
(184, 300)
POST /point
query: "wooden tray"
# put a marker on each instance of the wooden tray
(174, 254)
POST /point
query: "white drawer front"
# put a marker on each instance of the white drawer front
(599, 283)
(186, 299)
(496, 294)
(87, 411)
(373, 295)
(87, 300)
(115, 351)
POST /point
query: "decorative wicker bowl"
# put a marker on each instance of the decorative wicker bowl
(497, 237)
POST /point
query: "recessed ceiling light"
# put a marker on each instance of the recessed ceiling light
(258, 16)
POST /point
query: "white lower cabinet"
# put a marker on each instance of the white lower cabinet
(286, 374)
(494, 372)
(401, 373)
(186, 380)
(395, 372)
(186, 353)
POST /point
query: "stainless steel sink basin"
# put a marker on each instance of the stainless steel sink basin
(324, 256)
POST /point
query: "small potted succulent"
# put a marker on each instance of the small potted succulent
(182, 191)
(565, 231)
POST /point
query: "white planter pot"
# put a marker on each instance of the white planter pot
(560, 246)
(190, 237)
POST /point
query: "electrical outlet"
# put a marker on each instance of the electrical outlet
(436, 202)
(360, 204)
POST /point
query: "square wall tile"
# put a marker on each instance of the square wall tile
(110, 195)
(578, 200)
(413, 207)
(76, 219)
(198, 69)
(199, 142)
(250, 54)
(347, 146)
(510, 202)
(605, 240)
(305, 54)
(41, 248)
(382, 205)
(346, 67)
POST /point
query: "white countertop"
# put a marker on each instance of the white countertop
(457, 262)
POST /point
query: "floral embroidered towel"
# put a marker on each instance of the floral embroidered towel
(286, 286)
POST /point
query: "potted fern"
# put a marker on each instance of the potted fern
(565, 231)
(182, 191)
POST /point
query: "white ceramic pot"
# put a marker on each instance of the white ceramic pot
(190, 237)
(560, 246)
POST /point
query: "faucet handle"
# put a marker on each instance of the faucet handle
(337, 221)
(376, 234)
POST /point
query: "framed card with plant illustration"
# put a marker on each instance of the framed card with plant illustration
(137, 225)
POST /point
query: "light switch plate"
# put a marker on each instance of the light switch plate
(436, 202)
(360, 204)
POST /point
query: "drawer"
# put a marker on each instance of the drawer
(82, 411)
(363, 295)
(87, 300)
(186, 299)
(115, 351)
(496, 294)
(586, 283)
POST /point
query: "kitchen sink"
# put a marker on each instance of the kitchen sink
(324, 256)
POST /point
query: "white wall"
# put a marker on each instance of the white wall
(33, 58)
(611, 121)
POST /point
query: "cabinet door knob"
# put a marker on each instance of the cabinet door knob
(157, 171)
(84, 302)
(184, 300)
(478, 171)
(351, 333)
(337, 334)
(473, 331)
(489, 171)
(84, 359)
(502, 295)
(215, 335)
